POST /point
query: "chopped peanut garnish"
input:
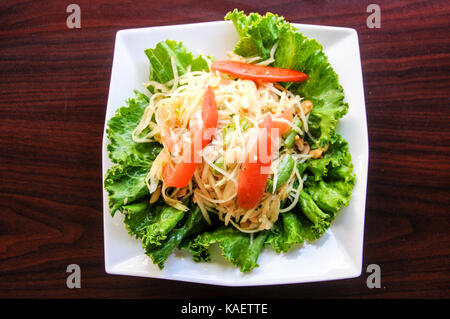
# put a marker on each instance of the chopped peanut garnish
(307, 106)
(302, 146)
(299, 143)
(317, 153)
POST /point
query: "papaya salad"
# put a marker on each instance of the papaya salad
(242, 152)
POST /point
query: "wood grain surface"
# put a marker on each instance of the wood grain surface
(53, 91)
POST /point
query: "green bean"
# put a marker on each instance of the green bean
(291, 134)
(290, 139)
(284, 171)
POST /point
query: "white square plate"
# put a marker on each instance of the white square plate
(337, 255)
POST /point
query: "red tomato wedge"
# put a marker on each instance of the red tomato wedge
(254, 72)
(255, 170)
(282, 126)
(210, 116)
(182, 173)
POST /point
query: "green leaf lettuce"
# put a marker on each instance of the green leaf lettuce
(160, 59)
(237, 247)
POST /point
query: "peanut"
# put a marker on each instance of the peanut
(307, 106)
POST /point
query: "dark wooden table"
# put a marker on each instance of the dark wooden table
(53, 92)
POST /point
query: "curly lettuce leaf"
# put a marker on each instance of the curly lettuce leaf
(328, 188)
(193, 224)
(161, 228)
(125, 184)
(164, 219)
(258, 34)
(319, 219)
(122, 149)
(286, 233)
(331, 196)
(334, 189)
(160, 59)
(336, 160)
(237, 247)
(125, 181)
(151, 223)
